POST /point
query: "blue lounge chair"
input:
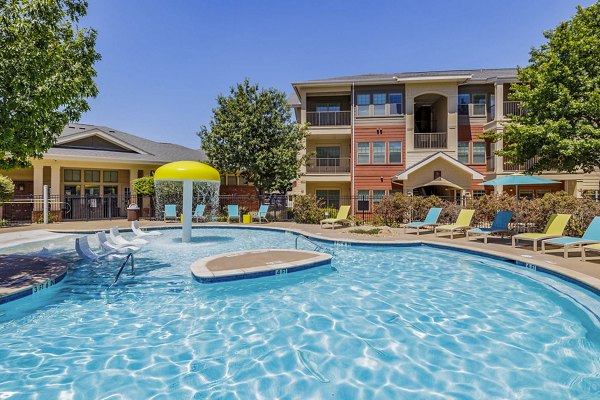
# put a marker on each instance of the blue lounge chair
(233, 212)
(590, 236)
(170, 212)
(430, 220)
(499, 226)
(199, 212)
(262, 213)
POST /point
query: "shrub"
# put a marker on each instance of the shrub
(307, 209)
(7, 188)
(144, 186)
(373, 231)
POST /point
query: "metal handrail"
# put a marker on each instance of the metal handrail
(130, 255)
(318, 247)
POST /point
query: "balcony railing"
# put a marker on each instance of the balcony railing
(510, 166)
(328, 165)
(328, 118)
(513, 108)
(436, 140)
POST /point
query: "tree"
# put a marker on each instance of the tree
(46, 74)
(7, 188)
(251, 132)
(560, 91)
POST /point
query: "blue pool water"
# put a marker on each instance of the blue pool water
(380, 323)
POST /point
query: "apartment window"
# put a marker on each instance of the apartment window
(463, 152)
(478, 193)
(110, 190)
(479, 104)
(379, 104)
(91, 175)
(231, 180)
(328, 107)
(395, 103)
(463, 104)
(111, 176)
(478, 152)
(395, 149)
(223, 180)
(330, 198)
(378, 195)
(363, 153)
(379, 153)
(363, 200)
(72, 175)
(363, 101)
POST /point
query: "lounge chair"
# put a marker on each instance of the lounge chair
(499, 226)
(233, 211)
(135, 228)
(430, 220)
(199, 212)
(262, 213)
(341, 218)
(590, 247)
(112, 247)
(554, 228)
(590, 236)
(82, 247)
(463, 222)
(116, 237)
(170, 212)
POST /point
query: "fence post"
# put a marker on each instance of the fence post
(45, 204)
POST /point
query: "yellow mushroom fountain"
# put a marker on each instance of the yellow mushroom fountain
(189, 173)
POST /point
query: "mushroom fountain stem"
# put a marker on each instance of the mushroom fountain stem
(186, 235)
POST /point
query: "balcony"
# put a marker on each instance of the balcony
(328, 165)
(513, 108)
(328, 118)
(435, 140)
(507, 165)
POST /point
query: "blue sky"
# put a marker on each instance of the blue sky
(163, 63)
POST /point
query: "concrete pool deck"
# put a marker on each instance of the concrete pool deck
(587, 272)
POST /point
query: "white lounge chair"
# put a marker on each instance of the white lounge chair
(108, 246)
(82, 247)
(116, 237)
(135, 227)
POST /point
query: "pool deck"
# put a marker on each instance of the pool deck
(587, 272)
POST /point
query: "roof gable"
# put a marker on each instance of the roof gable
(440, 154)
(96, 140)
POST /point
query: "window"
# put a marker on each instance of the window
(478, 193)
(92, 190)
(91, 175)
(379, 153)
(479, 104)
(463, 152)
(478, 152)
(72, 175)
(379, 104)
(110, 190)
(111, 176)
(463, 104)
(363, 200)
(395, 103)
(378, 195)
(330, 198)
(363, 153)
(363, 101)
(328, 155)
(231, 180)
(223, 179)
(72, 190)
(328, 107)
(395, 149)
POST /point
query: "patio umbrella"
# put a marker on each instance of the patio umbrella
(516, 180)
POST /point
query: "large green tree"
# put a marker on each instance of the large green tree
(560, 92)
(46, 74)
(252, 133)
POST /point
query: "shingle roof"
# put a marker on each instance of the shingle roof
(476, 74)
(156, 152)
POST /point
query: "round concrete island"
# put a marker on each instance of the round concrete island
(255, 264)
(24, 275)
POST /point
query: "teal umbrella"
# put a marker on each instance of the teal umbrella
(516, 180)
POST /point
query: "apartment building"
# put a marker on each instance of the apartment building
(414, 133)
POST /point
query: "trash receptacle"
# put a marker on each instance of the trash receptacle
(247, 219)
(133, 212)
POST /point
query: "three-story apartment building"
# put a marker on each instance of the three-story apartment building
(414, 133)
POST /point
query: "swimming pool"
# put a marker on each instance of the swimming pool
(381, 322)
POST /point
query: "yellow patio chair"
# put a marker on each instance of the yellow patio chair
(341, 218)
(554, 228)
(463, 222)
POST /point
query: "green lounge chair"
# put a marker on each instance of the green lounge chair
(233, 212)
(463, 222)
(262, 213)
(554, 228)
(430, 220)
(341, 218)
(590, 236)
(170, 212)
(499, 226)
(199, 212)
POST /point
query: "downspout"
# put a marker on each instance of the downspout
(352, 155)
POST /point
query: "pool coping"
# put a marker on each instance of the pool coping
(583, 280)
